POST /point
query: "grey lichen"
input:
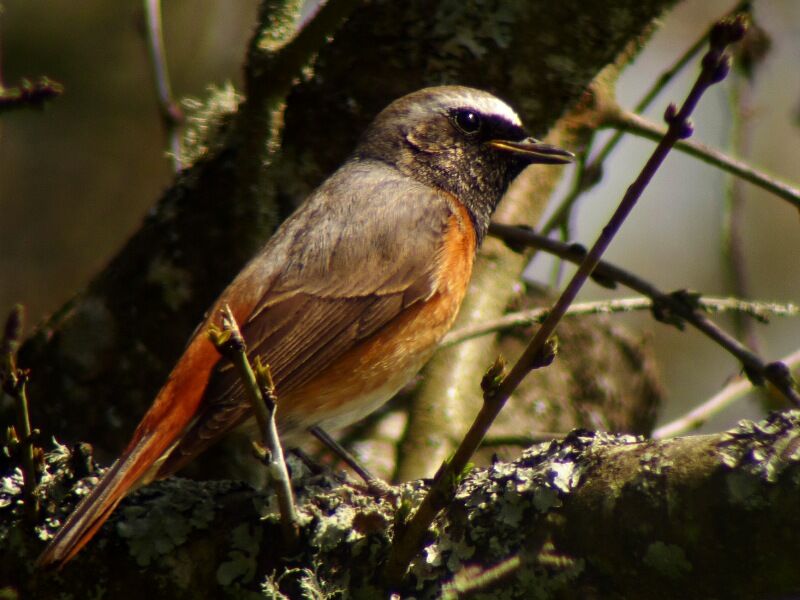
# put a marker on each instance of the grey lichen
(241, 564)
(495, 508)
(163, 516)
(278, 23)
(89, 337)
(205, 120)
(668, 560)
(306, 581)
(175, 283)
(756, 452)
(466, 31)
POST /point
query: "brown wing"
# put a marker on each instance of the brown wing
(363, 247)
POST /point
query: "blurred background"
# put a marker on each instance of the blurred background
(77, 178)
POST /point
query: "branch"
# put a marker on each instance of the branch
(632, 123)
(19, 438)
(672, 309)
(572, 510)
(499, 386)
(260, 391)
(589, 170)
(757, 310)
(171, 113)
(698, 416)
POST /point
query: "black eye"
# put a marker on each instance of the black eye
(467, 121)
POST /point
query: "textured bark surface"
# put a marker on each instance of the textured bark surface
(590, 516)
(105, 353)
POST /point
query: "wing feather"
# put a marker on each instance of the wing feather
(365, 246)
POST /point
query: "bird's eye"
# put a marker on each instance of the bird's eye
(467, 121)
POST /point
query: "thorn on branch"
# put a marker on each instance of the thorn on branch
(603, 280)
(81, 460)
(754, 375)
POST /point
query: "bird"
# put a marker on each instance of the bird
(348, 298)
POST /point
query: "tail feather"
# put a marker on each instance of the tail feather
(94, 509)
(161, 427)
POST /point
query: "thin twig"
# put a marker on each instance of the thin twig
(759, 310)
(672, 309)
(279, 473)
(717, 403)
(13, 380)
(733, 226)
(499, 387)
(261, 391)
(171, 113)
(589, 172)
(632, 123)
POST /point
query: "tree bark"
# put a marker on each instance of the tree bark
(589, 516)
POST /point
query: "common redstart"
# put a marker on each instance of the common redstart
(349, 297)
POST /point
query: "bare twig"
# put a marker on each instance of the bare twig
(758, 310)
(13, 381)
(499, 386)
(720, 401)
(589, 172)
(672, 309)
(171, 113)
(632, 123)
(260, 390)
(733, 252)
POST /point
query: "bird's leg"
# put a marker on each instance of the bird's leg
(376, 486)
(311, 464)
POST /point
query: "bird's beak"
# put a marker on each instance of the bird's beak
(534, 151)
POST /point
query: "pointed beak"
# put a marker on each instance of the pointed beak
(534, 151)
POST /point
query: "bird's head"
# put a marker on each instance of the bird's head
(461, 140)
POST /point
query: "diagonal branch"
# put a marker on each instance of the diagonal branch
(499, 387)
(667, 306)
(589, 170)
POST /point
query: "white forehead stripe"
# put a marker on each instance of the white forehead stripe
(449, 97)
(491, 105)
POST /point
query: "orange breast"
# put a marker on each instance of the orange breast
(372, 372)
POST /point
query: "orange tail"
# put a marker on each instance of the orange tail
(173, 409)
